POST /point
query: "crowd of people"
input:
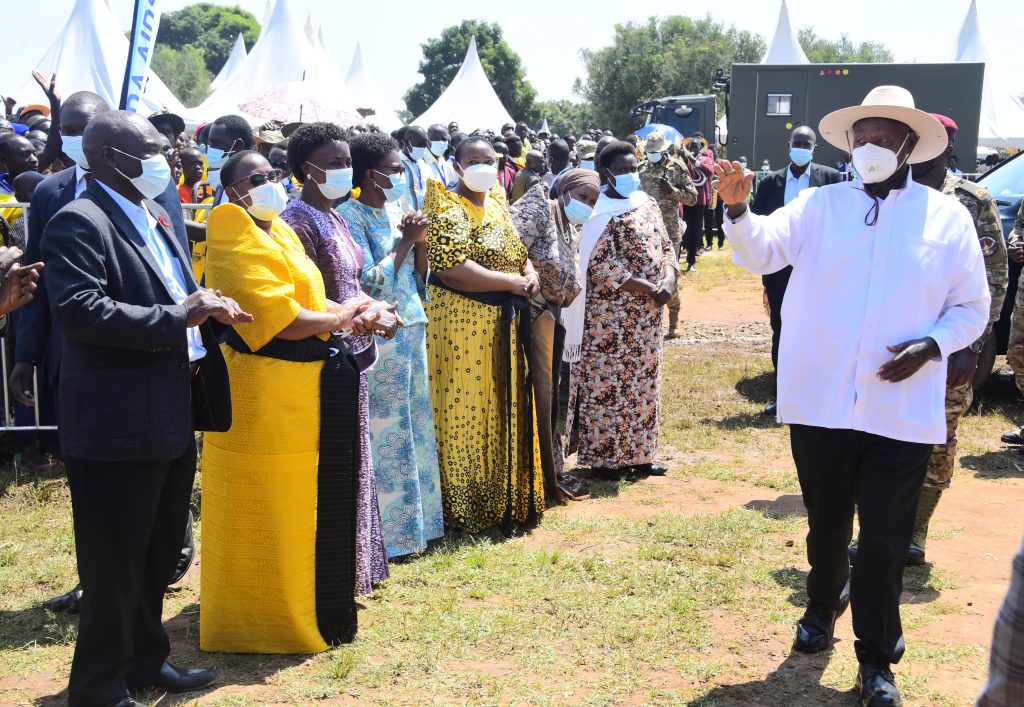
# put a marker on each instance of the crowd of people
(386, 338)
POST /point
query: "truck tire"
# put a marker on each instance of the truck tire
(986, 362)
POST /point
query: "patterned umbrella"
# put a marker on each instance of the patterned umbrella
(300, 102)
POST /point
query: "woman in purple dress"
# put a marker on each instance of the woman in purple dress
(318, 153)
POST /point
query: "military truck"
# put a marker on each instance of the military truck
(766, 101)
(687, 114)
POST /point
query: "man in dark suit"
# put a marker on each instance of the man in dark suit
(775, 191)
(138, 336)
(38, 340)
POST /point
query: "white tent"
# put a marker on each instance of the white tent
(544, 128)
(283, 54)
(308, 29)
(89, 53)
(235, 60)
(784, 48)
(469, 100)
(1002, 114)
(367, 92)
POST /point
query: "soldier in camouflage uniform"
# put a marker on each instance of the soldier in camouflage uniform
(1015, 349)
(665, 178)
(962, 364)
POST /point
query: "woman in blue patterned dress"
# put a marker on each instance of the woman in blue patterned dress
(401, 415)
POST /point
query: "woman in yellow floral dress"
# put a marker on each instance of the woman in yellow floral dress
(477, 339)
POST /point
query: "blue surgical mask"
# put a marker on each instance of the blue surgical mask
(587, 164)
(398, 186)
(438, 147)
(577, 212)
(800, 155)
(654, 157)
(626, 184)
(417, 153)
(72, 147)
(215, 157)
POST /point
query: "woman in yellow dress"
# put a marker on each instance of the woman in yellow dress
(278, 543)
(477, 339)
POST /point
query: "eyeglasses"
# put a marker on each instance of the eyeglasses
(259, 179)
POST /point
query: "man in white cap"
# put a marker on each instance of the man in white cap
(888, 280)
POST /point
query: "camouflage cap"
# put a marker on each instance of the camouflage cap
(656, 142)
(585, 149)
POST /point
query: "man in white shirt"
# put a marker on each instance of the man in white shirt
(415, 155)
(888, 280)
(440, 168)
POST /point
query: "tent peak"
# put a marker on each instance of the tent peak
(785, 47)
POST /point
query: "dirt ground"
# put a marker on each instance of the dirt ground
(975, 533)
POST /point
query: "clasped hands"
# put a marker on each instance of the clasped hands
(365, 315)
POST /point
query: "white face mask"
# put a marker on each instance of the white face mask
(480, 177)
(156, 175)
(875, 164)
(337, 182)
(654, 157)
(267, 201)
(72, 147)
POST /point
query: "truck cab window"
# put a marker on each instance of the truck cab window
(779, 103)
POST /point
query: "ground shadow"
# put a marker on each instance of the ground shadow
(231, 668)
(599, 487)
(22, 475)
(785, 506)
(759, 389)
(797, 681)
(35, 626)
(795, 580)
(743, 420)
(1004, 464)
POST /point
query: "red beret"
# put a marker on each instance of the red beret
(948, 123)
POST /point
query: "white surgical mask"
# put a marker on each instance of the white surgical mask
(587, 164)
(654, 157)
(875, 164)
(438, 147)
(72, 147)
(480, 177)
(337, 182)
(267, 201)
(156, 175)
(417, 153)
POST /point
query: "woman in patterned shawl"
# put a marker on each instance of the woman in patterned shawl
(401, 417)
(550, 230)
(477, 343)
(317, 150)
(614, 328)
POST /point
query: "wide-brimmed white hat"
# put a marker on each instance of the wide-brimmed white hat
(895, 103)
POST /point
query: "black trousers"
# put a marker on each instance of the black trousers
(775, 287)
(713, 225)
(840, 470)
(694, 236)
(128, 528)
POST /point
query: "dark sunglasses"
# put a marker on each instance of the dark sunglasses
(259, 179)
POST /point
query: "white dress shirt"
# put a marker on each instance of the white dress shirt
(857, 289)
(794, 184)
(170, 267)
(80, 180)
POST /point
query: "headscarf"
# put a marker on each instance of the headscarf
(576, 178)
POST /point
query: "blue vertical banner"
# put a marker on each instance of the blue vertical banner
(142, 42)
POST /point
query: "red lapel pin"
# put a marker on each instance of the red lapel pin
(163, 222)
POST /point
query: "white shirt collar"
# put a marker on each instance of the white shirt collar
(80, 173)
(136, 213)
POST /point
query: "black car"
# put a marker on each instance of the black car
(1006, 182)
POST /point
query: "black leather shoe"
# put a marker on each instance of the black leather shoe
(649, 470)
(69, 603)
(1012, 438)
(771, 409)
(174, 679)
(188, 553)
(877, 686)
(127, 702)
(607, 473)
(814, 630)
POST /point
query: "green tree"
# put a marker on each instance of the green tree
(565, 117)
(822, 51)
(210, 28)
(443, 56)
(184, 72)
(662, 57)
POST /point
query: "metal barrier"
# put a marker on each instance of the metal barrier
(8, 417)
